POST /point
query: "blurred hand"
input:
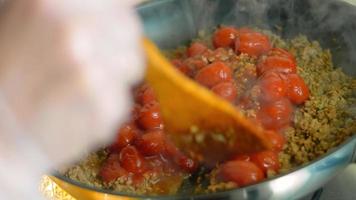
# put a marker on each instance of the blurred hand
(66, 69)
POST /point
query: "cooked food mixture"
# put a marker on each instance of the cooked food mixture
(288, 87)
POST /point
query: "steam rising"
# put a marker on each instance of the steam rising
(328, 21)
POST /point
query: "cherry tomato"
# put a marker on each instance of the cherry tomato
(266, 160)
(298, 91)
(111, 169)
(277, 63)
(179, 158)
(187, 164)
(252, 43)
(224, 37)
(281, 53)
(150, 117)
(226, 90)
(196, 48)
(132, 160)
(213, 74)
(272, 86)
(127, 134)
(276, 139)
(151, 143)
(275, 115)
(241, 172)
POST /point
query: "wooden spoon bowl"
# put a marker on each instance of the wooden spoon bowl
(200, 123)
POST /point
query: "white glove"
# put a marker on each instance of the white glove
(66, 70)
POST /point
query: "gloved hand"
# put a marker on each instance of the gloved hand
(66, 70)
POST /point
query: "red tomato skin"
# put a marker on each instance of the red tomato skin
(276, 63)
(151, 143)
(150, 117)
(131, 160)
(127, 134)
(273, 86)
(226, 90)
(281, 53)
(266, 160)
(196, 48)
(252, 43)
(224, 37)
(214, 74)
(241, 172)
(146, 96)
(275, 115)
(187, 164)
(111, 169)
(277, 139)
(298, 91)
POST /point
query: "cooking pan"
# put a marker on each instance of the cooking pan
(170, 23)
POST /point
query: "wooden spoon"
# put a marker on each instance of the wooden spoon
(200, 123)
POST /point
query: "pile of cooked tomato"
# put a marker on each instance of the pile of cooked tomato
(267, 91)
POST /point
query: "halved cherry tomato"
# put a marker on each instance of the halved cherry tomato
(226, 90)
(224, 37)
(127, 134)
(241, 172)
(275, 115)
(213, 74)
(266, 160)
(252, 43)
(273, 86)
(132, 160)
(298, 91)
(196, 48)
(150, 117)
(151, 143)
(277, 63)
(111, 169)
(277, 140)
